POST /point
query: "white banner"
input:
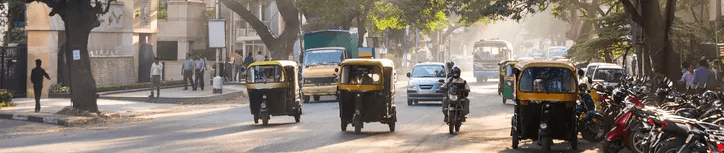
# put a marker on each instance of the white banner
(217, 34)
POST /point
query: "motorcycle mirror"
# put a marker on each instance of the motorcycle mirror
(589, 81)
(441, 80)
(580, 72)
(408, 74)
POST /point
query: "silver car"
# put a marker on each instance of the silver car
(425, 82)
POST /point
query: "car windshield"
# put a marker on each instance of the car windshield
(264, 74)
(428, 71)
(609, 75)
(323, 57)
(547, 80)
(361, 75)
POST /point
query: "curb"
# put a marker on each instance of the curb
(37, 119)
(172, 100)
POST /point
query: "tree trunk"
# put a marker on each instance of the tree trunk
(607, 56)
(281, 46)
(361, 30)
(664, 59)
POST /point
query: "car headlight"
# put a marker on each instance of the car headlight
(452, 97)
(412, 87)
(307, 81)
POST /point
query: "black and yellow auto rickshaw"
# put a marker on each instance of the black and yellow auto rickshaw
(366, 89)
(273, 90)
(546, 94)
(507, 80)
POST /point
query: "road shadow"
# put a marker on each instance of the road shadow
(270, 124)
(293, 145)
(558, 146)
(427, 105)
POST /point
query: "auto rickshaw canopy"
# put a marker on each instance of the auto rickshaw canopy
(282, 63)
(569, 84)
(380, 62)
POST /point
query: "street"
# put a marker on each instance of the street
(230, 128)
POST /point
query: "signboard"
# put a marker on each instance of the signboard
(76, 55)
(217, 34)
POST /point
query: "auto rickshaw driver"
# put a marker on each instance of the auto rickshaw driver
(362, 76)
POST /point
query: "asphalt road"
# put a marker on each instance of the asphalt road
(420, 128)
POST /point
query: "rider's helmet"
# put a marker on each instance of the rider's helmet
(455, 72)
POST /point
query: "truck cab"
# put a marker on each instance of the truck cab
(318, 75)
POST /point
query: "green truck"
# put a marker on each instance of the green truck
(323, 51)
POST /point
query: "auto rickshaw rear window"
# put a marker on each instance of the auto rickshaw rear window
(361, 75)
(264, 74)
(547, 80)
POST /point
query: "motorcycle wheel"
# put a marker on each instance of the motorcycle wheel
(670, 146)
(637, 141)
(457, 127)
(610, 147)
(264, 118)
(593, 131)
(451, 128)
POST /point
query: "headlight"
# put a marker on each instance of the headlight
(412, 87)
(543, 126)
(263, 105)
(307, 81)
(452, 97)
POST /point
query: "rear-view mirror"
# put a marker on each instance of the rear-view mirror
(580, 72)
(441, 80)
(336, 69)
(408, 74)
(589, 81)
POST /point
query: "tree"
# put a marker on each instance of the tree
(280, 46)
(610, 40)
(79, 18)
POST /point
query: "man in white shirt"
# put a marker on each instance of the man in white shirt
(259, 57)
(200, 69)
(156, 69)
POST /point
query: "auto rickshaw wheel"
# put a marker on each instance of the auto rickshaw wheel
(546, 144)
(574, 139)
(298, 116)
(392, 126)
(409, 102)
(316, 98)
(256, 119)
(515, 137)
(504, 99)
(344, 126)
(306, 99)
(264, 118)
(357, 123)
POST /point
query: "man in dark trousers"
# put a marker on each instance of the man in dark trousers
(200, 69)
(187, 70)
(36, 77)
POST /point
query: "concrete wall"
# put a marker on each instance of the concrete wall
(107, 71)
(186, 25)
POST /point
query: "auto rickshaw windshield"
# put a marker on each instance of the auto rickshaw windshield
(361, 75)
(264, 74)
(547, 80)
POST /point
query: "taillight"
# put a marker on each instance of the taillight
(524, 102)
(720, 147)
(651, 122)
(664, 124)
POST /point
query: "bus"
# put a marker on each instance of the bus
(557, 52)
(486, 56)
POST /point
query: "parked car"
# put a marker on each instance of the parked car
(589, 70)
(424, 82)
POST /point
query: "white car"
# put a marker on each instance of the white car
(606, 73)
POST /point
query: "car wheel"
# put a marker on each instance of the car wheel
(409, 102)
(306, 99)
(316, 98)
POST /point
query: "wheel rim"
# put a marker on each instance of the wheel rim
(638, 138)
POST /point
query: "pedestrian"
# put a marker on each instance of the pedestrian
(239, 69)
(36, 77)
(685, 67)
(259, 57)
(248, 60)
(187, 69)
(266, 58)
(688, 76)
(702, 74)
(156, 69)
(200, 69)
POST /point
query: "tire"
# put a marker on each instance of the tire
(479, 80)
(457, 127)
(306, 99)
(316, 98)
(392, 126)
(636, 141)
(344, 126)
(256, 119)
(515, 138)
(504, 99)
(297, 117)
(610, 147)
(595, 133)
(264, 118)
(451, 128)
(409, 102)
(357, 125)
(546, 144)
(670, 146)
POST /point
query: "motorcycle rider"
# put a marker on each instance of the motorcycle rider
(455, 73)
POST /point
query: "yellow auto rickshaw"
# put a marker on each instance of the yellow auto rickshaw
(507, 81)
(501, 76)
(366, 89)
(273, 90)
(546, 94)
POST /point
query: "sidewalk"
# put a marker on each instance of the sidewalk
(177, 95)
(25, 110)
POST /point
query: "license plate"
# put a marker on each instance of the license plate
(425, 91)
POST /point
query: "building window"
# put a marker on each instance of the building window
(168, 50)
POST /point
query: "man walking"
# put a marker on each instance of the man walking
(248, 60)
(259, 57)
(187, 69)
(156, 69)
(200, 69)
(36, 77)
(702, 74)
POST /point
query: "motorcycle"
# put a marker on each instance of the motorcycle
(455, 112)
(589, 121)
(619, 137)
